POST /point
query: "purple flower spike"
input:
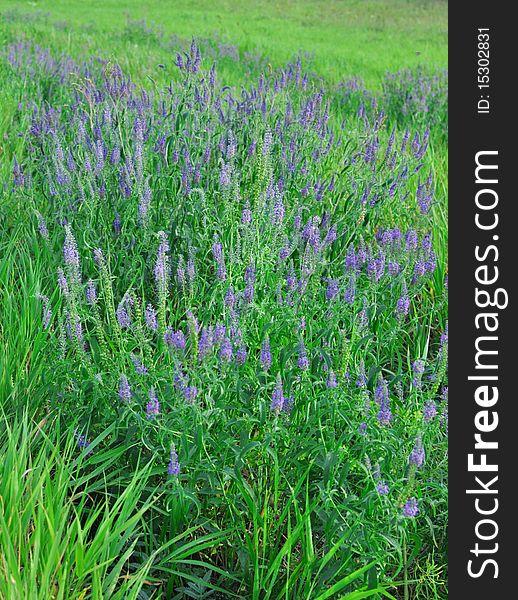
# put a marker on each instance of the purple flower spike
(429, 411)
(173, 468)
(124, 389)
(226, 351)
(150, 316)
(333, 289)
(81, 440)
(42, 227)
(303, 361)
(278, 396)
(153, 406)
(62, 282)
(266, 355)
(176, 339)
(411, 509)
(331, 380)
(123, 317)
(70, 252)
(189, 393)
(417, 455)
(139, 367)
(230, 298)
(382, 488)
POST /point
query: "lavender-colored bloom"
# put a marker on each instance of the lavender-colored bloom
(180, 272)
(331, 235)
(331, 380)
(403, 303)
(91, 294)
(42, 227)
(117, 223)
(115, 155)
(231, 145)
(124, 389)
(393, 268)
(285, 250)
(419, 268)
(333, 289)
(246, 215)
(277, 396)
(303, 361)
(226, 350)
(381, 393)
(123, 317)
(417, 455)
(362, 428)
(46, 310)
(217, 250)
(62, 282)
(248, 295)
(250, 275)
(267, 142)
(266, 355)
(444, 336)
(431, 262)
(139, 367)
(429, 411)
(219, 333)
(150, 316)
(230, 298)
(278, 212)
(241, 354)
(291, 280)
(350, 259)
(70, 252)
(205, 343)
(376, 266)
(225, 175)
(444, 393)
(221, 273)
(384, 415)
(176, 339)
(418, 366)
(361, 255)
(288, 404)
(98, 257)
(361, 381)
(411, 240)
(382, 488)
(81, 440)
(418, 369)
(189, 393)
(153, 406)
(162, 265)
(145, 203)
(173, 468)
(411, 508)
(78, 330)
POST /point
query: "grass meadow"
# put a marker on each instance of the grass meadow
(223, 300)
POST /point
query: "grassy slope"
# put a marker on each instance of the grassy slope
(347, 37)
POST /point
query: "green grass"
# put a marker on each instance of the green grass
(346, 37)
(253, 513)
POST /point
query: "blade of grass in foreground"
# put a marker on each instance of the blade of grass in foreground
(55, 541)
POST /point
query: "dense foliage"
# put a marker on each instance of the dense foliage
(246, 291)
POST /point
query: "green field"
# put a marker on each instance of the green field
(309, 427)
(346, 38)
